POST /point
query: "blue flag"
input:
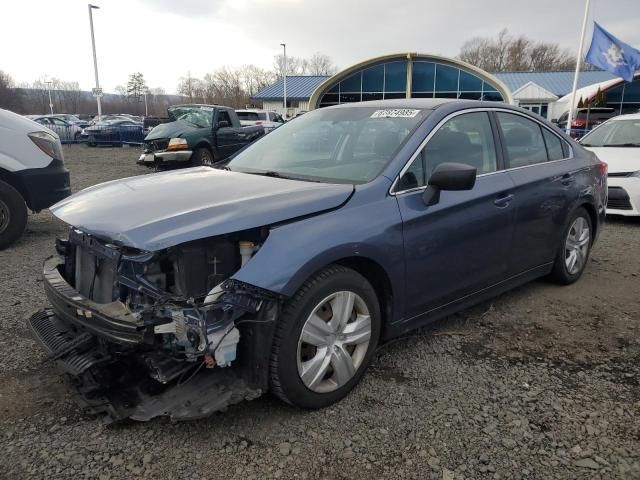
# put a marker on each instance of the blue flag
(612, 55)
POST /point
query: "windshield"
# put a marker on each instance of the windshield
(201, 117)
(334, 145)
(614, 133)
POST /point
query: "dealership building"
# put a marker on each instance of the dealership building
(414, 75)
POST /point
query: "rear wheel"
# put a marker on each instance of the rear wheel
(202, 157)
(13, 215)
(325, 338)
(573, 252)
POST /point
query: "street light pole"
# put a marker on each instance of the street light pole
(50, 102)
(95, 59)
(284, 46)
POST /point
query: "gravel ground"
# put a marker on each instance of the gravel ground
(540, 383)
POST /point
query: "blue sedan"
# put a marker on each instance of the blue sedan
(182, 292)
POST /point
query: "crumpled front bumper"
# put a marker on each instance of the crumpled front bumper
(154, 158)
(115, 382)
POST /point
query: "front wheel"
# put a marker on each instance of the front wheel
(13, 215)
(325, 338)
(202, 157)
(573, 252)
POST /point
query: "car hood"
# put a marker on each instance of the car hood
(170, 130)
(619, 159)
(156, 211)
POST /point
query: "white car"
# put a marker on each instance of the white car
(267, 120)
(617, 143)
(67, 131)
(32, 173)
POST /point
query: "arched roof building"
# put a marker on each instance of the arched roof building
(408, 75)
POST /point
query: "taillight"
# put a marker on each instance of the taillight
(603, 168)
(578, 123)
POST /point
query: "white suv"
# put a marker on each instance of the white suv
(268, 120)
(32, 173)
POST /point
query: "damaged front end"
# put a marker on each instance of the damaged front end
(142, 334)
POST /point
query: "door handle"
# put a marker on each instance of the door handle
(566, 179)
(503, 200)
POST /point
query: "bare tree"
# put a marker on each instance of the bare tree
(516, 54)
(255, 78)
(295, 65)
(191, 87)
(10, 98)
(320, 64)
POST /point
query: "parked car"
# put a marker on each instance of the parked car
(116, 132)
(617, 142)
(116, 116)
(268, 120)
(197, 135)
(74, 119)
(67, 132)
(585, 119)
(287, 267)
(32, 173)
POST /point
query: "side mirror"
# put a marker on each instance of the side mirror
(449, 176)
(554, 120)
(223, 124)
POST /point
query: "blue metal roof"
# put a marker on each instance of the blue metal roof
(558, 83)
(299, 87)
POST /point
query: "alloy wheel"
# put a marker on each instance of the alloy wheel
(333, 342)
(576, 246)
(5, 216)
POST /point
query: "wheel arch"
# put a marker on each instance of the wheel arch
(379, 279)
(207, 145)
(12, 180)
(593, 215)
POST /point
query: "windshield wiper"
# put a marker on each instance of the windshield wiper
(274, 174)
(630, 144)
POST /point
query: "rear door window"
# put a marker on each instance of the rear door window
(554, 145)
(523, 140)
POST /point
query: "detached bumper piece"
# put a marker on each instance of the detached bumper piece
(113, 389)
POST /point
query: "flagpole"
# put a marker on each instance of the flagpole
(578, 62)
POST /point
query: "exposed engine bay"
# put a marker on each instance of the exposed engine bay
(141, 334)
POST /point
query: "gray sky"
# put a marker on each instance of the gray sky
(164, 39)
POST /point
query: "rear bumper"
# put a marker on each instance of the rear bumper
(42, 187)
(165, 157)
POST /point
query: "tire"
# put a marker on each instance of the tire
(77, 138)
(202, 157)
(13, 215)
(577, 239)
(291, 354)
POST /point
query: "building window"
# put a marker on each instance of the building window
(429, 79)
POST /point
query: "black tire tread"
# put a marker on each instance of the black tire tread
(18, 212)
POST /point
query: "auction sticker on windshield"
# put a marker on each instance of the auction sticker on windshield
(395, 113)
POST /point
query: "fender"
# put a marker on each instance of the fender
(295, 251)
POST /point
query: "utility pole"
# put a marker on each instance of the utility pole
(50, 102)
(572, 101)
(97, 93)
(284, 46)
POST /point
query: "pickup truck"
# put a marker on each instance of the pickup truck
(197, 135)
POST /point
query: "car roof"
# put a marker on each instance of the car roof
(628, 116)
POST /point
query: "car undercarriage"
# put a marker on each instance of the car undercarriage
(143, 334)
